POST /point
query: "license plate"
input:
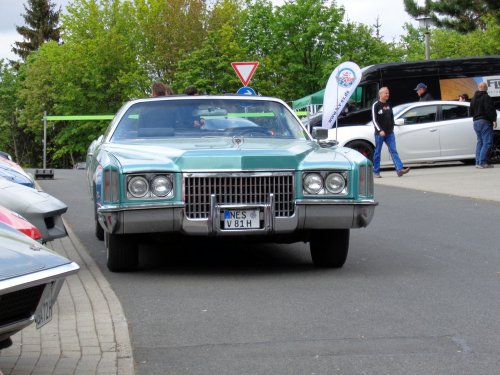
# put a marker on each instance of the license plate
(43, 313)
(241, 219)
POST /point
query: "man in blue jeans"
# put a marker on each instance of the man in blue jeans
(383, 120)
(485, 116)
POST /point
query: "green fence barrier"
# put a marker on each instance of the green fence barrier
(80, 118)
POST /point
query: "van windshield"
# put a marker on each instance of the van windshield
(363, 97)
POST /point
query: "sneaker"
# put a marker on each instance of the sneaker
(403, 171)
(479, 166)
(486, 166)
(377, 175)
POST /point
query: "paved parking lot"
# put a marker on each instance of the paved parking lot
(89, 332)
(451, 179)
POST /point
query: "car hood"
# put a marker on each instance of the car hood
(223, 154)
(20, 255)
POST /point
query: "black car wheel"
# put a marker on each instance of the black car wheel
(122, 252)
(329, 247)
(99, 232)
(363, 147)
(494, 155)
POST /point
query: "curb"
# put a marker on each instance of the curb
(88, 333)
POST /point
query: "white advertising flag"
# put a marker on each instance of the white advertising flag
(341, 84)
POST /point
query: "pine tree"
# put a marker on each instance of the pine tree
(461, 15)
(41, 20)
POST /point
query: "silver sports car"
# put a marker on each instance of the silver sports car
(39, 208)
(31, 277)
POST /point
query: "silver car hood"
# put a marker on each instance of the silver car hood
(20, 255)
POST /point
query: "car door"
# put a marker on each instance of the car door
(456, 132)
(417, 139)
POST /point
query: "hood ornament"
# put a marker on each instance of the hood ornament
(238, 141)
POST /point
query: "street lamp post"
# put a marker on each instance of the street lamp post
(426, 23)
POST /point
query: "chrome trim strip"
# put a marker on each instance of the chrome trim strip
(335, 202)
(214, 216)
(228, 173)
(37, 278)
(269, 214)
(118, 208)
(10, 329)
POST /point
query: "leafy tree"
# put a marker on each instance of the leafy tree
(93, 72)
(450, 43)
(460, 15)
(11, 137)
(411, 44)
(41, 26)
(167, 32)
(209, 68)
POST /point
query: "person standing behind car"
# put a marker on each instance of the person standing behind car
(383, 120)
(484, 116)
(422, 92)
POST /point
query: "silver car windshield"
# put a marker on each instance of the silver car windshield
(206, 117)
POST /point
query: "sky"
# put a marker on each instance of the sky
(391, 16)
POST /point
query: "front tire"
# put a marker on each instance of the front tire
(122, 252)
(99, 232)
(329, 247)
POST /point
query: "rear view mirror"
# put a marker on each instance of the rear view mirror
(400, 121)
(319, 133)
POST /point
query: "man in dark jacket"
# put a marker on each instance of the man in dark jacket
(422, 92)
(383, 121)
(485, 120)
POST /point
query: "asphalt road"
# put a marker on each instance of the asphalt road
(419, 294)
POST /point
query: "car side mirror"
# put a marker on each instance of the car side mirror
(400, 121)
(319, 133)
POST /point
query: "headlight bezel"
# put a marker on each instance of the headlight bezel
(151, 179)
(325, 191)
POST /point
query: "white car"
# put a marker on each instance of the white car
(425, 132)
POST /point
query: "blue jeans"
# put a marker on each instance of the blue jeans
(484, 133)
(390, 141)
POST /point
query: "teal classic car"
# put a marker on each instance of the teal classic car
(224, 167)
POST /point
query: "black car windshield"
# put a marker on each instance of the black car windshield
(207, 117)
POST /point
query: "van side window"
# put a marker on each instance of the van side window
(420, 115)
(453, 112)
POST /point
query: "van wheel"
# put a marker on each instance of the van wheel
(363, 147)
(122, 252)
(329, 247)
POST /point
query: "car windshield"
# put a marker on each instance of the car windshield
(207, 117)
(400, 108)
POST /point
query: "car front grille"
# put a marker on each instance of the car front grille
(241, 188)
(19, 305)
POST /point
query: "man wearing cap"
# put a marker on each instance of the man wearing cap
(422, 92)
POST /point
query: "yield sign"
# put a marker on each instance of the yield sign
(245, 70)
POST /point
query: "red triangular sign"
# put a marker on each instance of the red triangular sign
(245, 70)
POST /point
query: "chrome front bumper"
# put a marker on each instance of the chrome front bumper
(317, 214)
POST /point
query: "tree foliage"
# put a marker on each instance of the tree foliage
(113, 50)
(42, 20)
(460, 15)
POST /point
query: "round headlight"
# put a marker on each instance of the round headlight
(313, 183)
(335, 183)
(161, 186)
(138, 186)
